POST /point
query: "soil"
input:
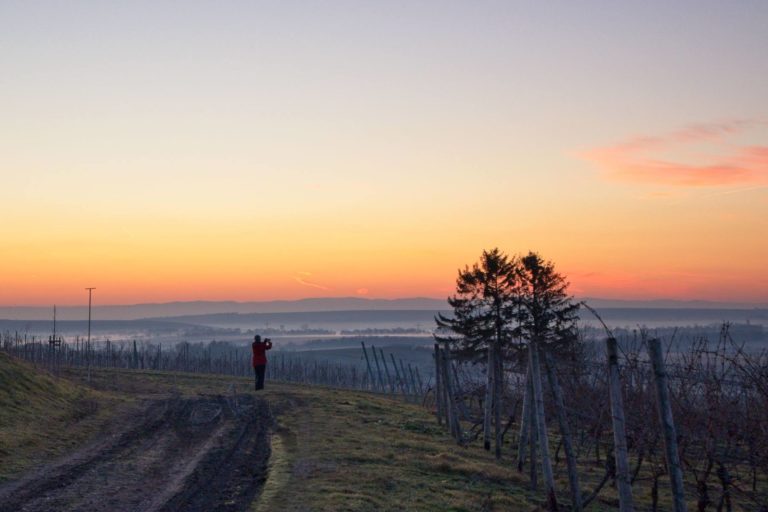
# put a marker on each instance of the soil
(206, 453)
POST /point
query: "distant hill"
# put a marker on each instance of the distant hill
(670, 304)
(181, 309)
(315, 305)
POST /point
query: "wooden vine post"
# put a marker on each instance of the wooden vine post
(386, 372)
(368, 365)
(623, 479)
(562, 420)
(380, 380)
(541, 426)
(667, 425)
(453, 418)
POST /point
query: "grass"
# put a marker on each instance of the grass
(336, 450)
(43, 417)
(332, 450)
(355, 451)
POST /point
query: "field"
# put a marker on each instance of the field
(138, 445)
(142, 440)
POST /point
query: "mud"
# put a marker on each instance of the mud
(190, 454)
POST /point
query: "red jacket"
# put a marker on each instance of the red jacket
(260, 352)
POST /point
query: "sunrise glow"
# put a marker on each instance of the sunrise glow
(371, 150)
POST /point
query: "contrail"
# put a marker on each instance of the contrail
(728, 192)
(299, 279)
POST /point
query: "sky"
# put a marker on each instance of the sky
(164, 151)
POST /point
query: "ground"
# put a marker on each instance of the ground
(164, 441)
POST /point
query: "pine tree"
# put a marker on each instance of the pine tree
(547, 314)
(483, 307)
(483, 323)
(502, 306)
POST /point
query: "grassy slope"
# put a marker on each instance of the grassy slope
(346, 450)
(333, 450)
(354, 451)
(42, 416)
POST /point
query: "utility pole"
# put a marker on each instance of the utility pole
(54, 343)
(88, 344)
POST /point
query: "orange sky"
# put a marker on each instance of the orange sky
(214, 154)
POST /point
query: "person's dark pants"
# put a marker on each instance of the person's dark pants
(259, 370)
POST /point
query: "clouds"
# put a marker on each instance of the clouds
(700, 155)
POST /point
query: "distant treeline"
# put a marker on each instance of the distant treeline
(683, 337)
(353, 341)
(394, 330)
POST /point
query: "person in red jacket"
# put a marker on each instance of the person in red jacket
(260, 359)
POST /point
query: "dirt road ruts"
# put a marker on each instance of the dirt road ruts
(190, 454)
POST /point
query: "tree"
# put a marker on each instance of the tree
(483, 322)
(502, 305)
(547, 317)
(547, 314)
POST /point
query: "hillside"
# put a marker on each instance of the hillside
(141, 440)
(330, 449)
(44, 416)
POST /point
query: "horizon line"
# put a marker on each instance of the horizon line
(368, 299)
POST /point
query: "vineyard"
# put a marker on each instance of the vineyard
(219, 358)
(664, 425)
(668, 425)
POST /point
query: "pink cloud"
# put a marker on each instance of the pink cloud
(637, 160)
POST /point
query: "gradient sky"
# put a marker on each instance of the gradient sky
(258, 150)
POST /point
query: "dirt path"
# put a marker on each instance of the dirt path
(191, 454)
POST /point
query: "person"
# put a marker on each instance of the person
(260, 359)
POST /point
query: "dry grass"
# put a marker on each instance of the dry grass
(334, 450)
(43, 417)
(345, 450)
(356, 451)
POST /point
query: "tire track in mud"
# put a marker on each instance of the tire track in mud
(196, 454)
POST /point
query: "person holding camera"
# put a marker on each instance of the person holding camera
(260, 359)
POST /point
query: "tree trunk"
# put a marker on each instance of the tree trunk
(525, 420)
(497, 387)
(488, 405)
(533, 442)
